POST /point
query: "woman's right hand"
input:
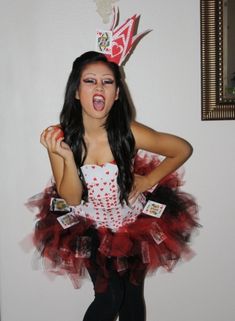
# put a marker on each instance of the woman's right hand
(52, 139)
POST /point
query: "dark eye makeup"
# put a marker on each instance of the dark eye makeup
(108, 81)
(105, 81)
(89, 81)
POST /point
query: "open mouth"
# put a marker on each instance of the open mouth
(98, 102)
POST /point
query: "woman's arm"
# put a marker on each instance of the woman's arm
(64, 169)
(175, 149)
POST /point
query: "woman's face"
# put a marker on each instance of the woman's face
(97, 90)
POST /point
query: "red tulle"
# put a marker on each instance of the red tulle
(139, 248)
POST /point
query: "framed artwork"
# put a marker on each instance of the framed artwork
(217, 59)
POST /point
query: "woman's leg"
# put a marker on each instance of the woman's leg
(106, 305)
(133, 306)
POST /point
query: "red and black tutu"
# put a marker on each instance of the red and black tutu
(137, 248)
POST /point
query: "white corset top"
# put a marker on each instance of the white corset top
(103, 204)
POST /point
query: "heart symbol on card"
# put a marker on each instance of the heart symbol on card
(116, 49)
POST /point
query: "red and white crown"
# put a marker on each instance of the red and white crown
(118, 42)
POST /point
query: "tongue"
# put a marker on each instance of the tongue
(98, 105)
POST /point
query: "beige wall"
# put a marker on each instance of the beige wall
(40, 39)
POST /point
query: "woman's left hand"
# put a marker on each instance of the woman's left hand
(141, 184)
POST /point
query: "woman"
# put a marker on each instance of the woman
(93, 158)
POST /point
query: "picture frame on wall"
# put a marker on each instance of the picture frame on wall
(217, 59)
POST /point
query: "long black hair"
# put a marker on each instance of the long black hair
(117, 124)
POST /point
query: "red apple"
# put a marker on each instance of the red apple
(60, 133)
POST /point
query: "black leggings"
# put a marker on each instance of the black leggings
(121, 298)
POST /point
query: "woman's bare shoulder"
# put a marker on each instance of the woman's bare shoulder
(137, 127)
(142, 134)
